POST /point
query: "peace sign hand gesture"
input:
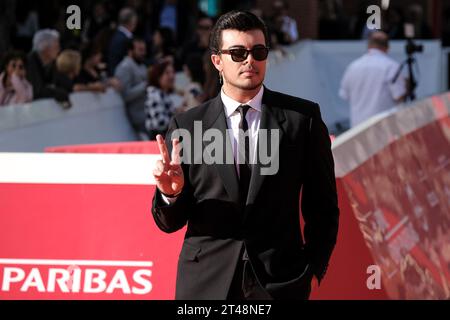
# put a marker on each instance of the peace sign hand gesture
(168, 173)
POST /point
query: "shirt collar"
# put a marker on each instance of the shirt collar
(231, 105)
(127, 32)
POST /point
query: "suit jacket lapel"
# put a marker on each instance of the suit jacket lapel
(272, 117)
(215, 118)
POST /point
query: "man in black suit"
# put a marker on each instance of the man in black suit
(118, 45)
(243, 238)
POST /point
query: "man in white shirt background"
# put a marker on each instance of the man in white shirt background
(370, 84)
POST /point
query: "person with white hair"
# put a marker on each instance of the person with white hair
(118, 46)
(41, 65)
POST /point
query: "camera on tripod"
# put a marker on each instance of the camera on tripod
(410, 33)
(411, 47)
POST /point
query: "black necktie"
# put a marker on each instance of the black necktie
(244, 168)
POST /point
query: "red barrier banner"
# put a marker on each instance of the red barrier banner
(401, 201)
(400, 197)
(62, 238)
(75, 223)
(64, 241)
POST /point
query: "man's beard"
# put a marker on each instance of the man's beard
(138, 60)
(249, 86)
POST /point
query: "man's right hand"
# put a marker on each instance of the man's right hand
(168, 173)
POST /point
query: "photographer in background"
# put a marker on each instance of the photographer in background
(368, 83)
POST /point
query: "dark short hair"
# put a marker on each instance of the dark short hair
(379, 39)
(236, 20)
(11, 56)
(132, 41)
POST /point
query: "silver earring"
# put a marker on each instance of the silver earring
(220, 78)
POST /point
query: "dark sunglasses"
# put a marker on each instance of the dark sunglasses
(240, 54)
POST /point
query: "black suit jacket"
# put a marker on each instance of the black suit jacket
(42, 78)
(117, 50)
(268, 223)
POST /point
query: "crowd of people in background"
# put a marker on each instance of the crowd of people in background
(135, 47)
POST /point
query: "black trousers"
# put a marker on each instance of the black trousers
(245, 285)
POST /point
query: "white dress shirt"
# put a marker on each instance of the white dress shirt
(125, 31)
(253, 118)
(367, 85)
(233, 118)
